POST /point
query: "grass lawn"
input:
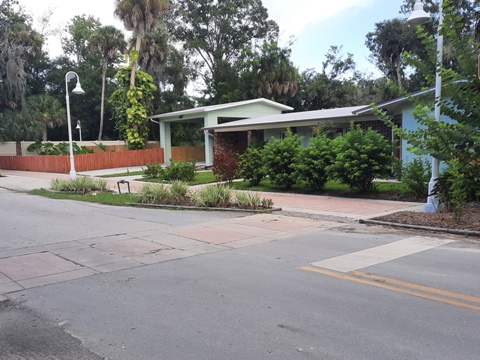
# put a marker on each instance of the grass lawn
(130, 173)
(100, 198)
(202, 177)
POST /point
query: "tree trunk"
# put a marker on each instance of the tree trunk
(134, 63)
(399, 72)
(18, 148)
(102, 106)
(44, 132)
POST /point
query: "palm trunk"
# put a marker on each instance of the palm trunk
(18, 148)
(44, 132)
(134, 63)
(102, 105)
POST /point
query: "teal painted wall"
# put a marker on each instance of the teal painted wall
(409, 123)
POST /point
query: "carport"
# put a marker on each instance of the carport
(211, 116)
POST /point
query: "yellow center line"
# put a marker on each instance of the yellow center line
(418, 287)
(388, 287)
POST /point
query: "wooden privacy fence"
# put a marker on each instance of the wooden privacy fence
(83, 162)
(186, 153)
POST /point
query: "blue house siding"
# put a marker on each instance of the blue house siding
(410, 123)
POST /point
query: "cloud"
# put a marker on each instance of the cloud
(293, 18)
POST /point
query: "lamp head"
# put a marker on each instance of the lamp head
(78, 89)
(419, 16)
(78, 124)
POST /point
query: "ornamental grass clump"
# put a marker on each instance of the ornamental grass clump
(214, 195)
(246, 199)
(178, 189)
(80, 184)
(155, 193)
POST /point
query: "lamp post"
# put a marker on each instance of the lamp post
(78, 90)
(79, 128)
(418, 17)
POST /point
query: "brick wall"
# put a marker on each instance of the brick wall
(224, 141)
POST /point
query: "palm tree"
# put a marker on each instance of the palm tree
(45, 110)
(18, 126)
(153, 52)
(141, 16)
(110, 43)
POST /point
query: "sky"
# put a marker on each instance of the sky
(315, 25)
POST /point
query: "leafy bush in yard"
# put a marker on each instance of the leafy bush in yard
(179, 170)
(152, 170)
(213, 195)
(416, 175)
(361, 156)
(80, 184)
(279, 156)
(459, 184)
(48, 148)
(250, 164)
(311, 163)
(225, 165)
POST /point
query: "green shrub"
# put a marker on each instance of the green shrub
(153, 193)
(152, 170)
(225, 165)
(80, 184)
(63, 148)
(213, 195)
(416, 175)
(279, 156)
(311, 163)
(179, 170)
(458, 185)
(250, 164)
(360, 157)
(102, 146)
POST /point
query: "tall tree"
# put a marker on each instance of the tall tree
(466, 12)
(334, 87)
(388, 44)
(46, 110)
(18, 126)
(109, 42)
(142, 17)
(270, 73)
(217, 32)
(458, 140)
(78, 33)
(153, 53)
(20, 46)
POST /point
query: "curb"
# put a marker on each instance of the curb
(420, 227)
(202, 208)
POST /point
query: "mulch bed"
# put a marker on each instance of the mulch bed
(468, 220)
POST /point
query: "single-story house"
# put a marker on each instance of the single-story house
(304, 123)
(233, 126)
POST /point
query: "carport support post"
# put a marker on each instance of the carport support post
(165, 142)
(207, 148)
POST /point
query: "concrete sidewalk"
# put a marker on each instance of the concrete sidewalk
(353, 209)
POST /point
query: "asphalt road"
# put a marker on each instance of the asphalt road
(264, 301)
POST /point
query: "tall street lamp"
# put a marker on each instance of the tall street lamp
(418, 17)
(78, 90)
(79, 128)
